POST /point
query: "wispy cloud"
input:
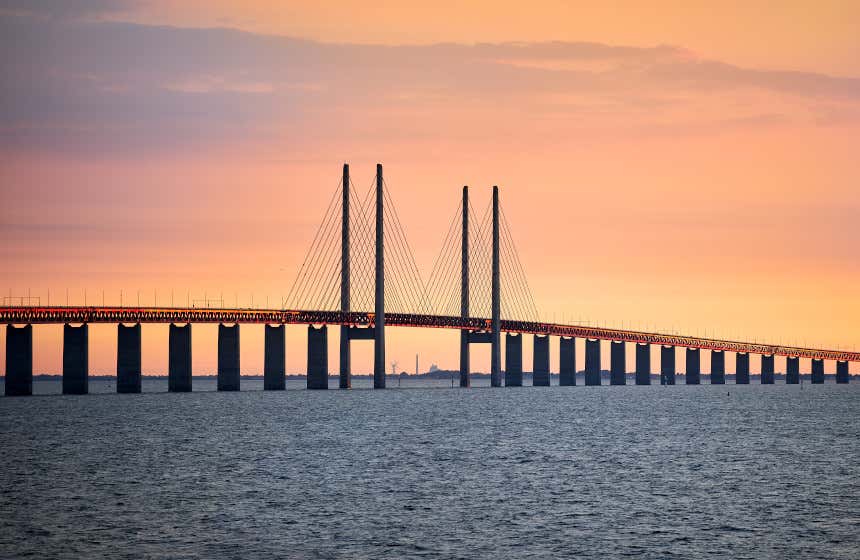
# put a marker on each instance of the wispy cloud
(73, 85)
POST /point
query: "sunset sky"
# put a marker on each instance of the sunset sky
(672, 165)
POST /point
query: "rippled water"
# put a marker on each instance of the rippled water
(653, 472)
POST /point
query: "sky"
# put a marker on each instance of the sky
(665, 165)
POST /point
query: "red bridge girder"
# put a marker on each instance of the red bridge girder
(58, 314)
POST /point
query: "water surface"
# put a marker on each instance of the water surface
(651, 472)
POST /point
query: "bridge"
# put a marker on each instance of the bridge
(477, 286)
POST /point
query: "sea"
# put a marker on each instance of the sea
(428, 471)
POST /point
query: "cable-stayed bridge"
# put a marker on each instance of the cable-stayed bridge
(360, 275)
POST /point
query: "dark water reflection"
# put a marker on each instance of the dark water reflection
(651, 472)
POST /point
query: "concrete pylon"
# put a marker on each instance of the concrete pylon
(76, 359)
(792, 370)
(567, 362)
(317, 357)
(618, 363)
(817, 372)
(179, 362)
(465, 379)
(667, 365)
(128, 374)
(718, 367)
(379, 315)
(19, 360)
(643, 364)
(742, 369)
(496, 297)
(228, 358)
(592, 361)
(274, 358)
(513, 360)
(345, 381)
(540, 367)
(767, 370)
(842, 372)
(693, 370)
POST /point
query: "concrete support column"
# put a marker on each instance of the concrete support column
(275, 358)
(592, 362)
(228, 358)
(693, 375)
(128, 358)
(567, 361)
(667, 365)
(76, 359)
(643, 364)
(379, 303)
(19, 361)
(465, 378)
(496, 300)
(792, 371)
(179, 363)
(540, 364)
(318, 358)
(742, 369)
(345, 381)
(817, 372)
(718, 367)
(842, 372)
(618, 363)
(767, 370)
(465, 375)
(513, 360)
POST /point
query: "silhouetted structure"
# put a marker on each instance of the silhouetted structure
(128, 374)
(566, 361)
(76, 359)
(367, 325)
(179, 362)
(513, 360)
(275, 355)
(540, 369)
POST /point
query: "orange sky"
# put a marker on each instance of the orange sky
(667, 166)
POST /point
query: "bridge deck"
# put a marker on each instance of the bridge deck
(61, 314)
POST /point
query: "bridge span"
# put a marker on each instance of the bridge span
(355, 287)
(361, 325)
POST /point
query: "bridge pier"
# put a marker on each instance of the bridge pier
(540, 363)
(667, 365)
(718, 367)
(742, 369)
(128, 374)
(465, 359)
(643, 364)
(76, 359)
(379, 301)
(842, 372)
(345, 381)
(792, 370)
(767, 369)
(274, 358)
(496, 300)
(618, 363)
(693, 375)
(513, 360)
(465, 366)
(592, 361)
(817, 372)
(318, 359)
(19, 360)
(566, 361)
(179, 363)
(228, 358)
